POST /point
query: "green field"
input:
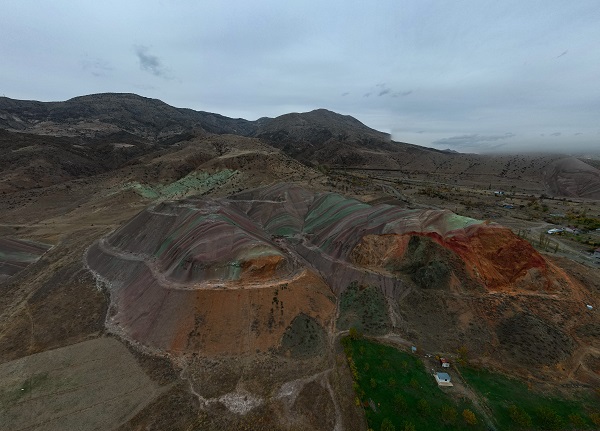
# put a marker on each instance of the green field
(394, 387)
(516, 407)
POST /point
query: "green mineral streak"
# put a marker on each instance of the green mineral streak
(282, 225)
(193, 183)
(325, 245)
(329, 210)
(185, 229)
(18, 257)
(178, 234)
(285, 231)
(36, 244)
(235, 270)
(455, 221)
(254, 252)
(196, 182)
(144, 191)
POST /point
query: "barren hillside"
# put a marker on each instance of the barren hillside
(318, 137)
(220, 261)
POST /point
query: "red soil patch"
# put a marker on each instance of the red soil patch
(492, 255)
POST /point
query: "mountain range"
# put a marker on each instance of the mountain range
(319, 137)
(165, 268)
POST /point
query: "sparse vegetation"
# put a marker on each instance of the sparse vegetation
(363, 310)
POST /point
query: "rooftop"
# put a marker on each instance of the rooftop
(443, 379)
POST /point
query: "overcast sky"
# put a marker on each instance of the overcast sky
(474, 76)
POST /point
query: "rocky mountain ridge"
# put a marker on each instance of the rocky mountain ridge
(315, 138)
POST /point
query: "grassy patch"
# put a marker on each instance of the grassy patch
(516, 407)
(15, 393)
(394, 388)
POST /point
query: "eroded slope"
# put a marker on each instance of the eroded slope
(230, 276)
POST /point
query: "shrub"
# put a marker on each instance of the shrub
(469, 417)
(353, 368)
(549, 418)
(423, 407)
(577, 420)
(414, 383)
(463, 355)
(387, 425)
(400, 404)
(520, 417)
(448, 414)
(354, 333)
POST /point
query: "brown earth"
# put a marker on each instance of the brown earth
(128, 124)
(95, 384)
(66, 182)
(492, 255)
(573, 177)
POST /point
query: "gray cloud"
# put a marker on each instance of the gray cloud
(256, 59)
(555, 134)
(474, 141)
(383, 89)
(150, 63)
(96, 66)
(345, 94)
(402, 93)
(577, 133)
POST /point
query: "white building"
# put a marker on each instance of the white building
(443, 379)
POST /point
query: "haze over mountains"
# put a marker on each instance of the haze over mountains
(319, 137)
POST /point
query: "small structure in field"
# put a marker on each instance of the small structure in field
(445, 363)
(443, 379)
(597, 254)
